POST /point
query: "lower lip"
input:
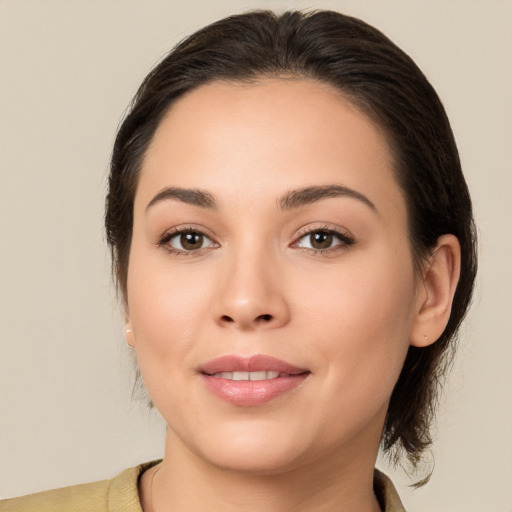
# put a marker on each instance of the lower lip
(249, 393)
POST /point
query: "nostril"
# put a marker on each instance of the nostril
(260, 319)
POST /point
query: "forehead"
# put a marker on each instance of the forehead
(268, 136)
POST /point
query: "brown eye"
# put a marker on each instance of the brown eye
(324, 240)
(189, 241)
(321, 240)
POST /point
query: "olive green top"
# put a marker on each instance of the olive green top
(121, 495)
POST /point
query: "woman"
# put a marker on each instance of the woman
(293, 240)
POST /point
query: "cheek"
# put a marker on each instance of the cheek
(363, 316)
(167, 309)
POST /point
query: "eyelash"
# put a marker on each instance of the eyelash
(164, 241)
(345, 241)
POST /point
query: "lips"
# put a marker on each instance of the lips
(250, 381)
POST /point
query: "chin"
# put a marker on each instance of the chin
(260, 463)
(257, 451)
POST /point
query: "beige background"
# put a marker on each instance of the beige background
(67, 70)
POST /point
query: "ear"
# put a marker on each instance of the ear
(128, 334)
(439, 281)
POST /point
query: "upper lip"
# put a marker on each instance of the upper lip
(255, 363)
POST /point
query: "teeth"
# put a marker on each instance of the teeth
(257, 375)
(247, 375)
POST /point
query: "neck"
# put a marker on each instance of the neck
(185, 482)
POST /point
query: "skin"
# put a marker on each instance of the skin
(347, 313)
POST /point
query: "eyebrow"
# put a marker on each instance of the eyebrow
(194, 197)
(309, 195)
(291, 200)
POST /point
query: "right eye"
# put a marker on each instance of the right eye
(187, 241)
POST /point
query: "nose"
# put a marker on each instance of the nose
(252, 294)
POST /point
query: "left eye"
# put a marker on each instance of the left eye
(189, 241)
(322, 240)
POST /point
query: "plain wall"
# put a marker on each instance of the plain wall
(67, 71)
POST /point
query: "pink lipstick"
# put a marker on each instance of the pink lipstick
(250, 381)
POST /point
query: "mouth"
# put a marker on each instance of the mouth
(251, 381)
(253, 376)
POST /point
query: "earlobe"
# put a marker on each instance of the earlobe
(128, 334)
(439, 282)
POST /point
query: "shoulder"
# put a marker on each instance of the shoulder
(116, 495)
(85, 497)
(386, 493)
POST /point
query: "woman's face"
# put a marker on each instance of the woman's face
(270, 243)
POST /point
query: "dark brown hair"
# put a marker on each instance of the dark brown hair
(382, 81)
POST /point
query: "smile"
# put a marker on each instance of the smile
(250, 381)
(249, 375)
